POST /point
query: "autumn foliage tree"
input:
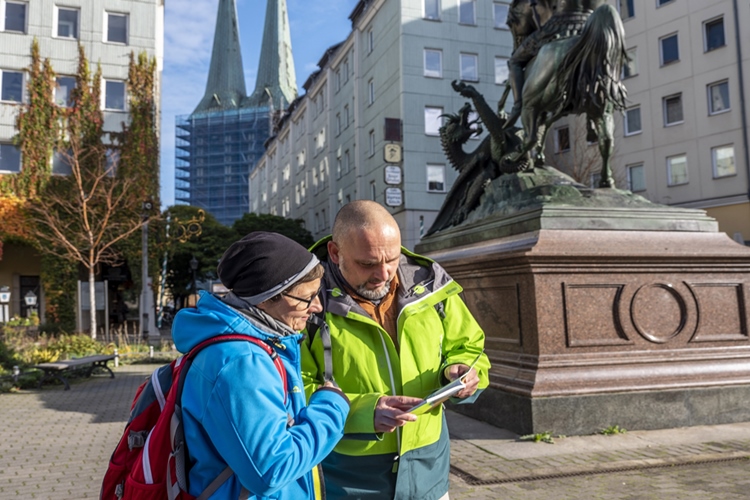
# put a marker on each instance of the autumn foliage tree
(84, 215)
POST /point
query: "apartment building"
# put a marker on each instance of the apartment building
(367, 125)
(108, 30)
(683, 139)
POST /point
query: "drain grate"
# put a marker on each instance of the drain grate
(475, 481)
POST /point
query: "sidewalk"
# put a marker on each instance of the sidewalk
(483, 454)
(56, 444)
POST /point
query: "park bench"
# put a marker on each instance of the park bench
(58, 368)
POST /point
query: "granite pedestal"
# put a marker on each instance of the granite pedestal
(598, 316)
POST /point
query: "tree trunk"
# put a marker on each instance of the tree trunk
(92, 301)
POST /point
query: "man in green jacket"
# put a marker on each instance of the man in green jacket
(395, 330)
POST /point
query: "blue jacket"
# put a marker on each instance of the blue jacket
(234, 411)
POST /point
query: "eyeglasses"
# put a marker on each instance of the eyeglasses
(307, 302)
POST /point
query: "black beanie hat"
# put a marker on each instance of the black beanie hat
(263, 264)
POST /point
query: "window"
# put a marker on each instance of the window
(501, 70)
(670, 51)
(286, 174)
(370, 92)
(636, 178)
(673, 110)
(337, 80)
(714, 34)
(338, 124)
(346, 116)
(117, 28)
(347, 164)
(467, 12)
(61, 163)
(114, 95)
(435, 178)
(15, 17)
(626, 9)
(469, 70)
(500, 15)
(718, 97)
(562, 139)
(432, 120)
(659, 3)
(722, 158)
(10, 158)
(393, 130)
(67, 22)
(633, 121)
(373, 191)
(594, 180)
(64, 90)
(338, 168)
(346, 70)
(432, 9)
(370, 41)
(372, 143)
(630, 65)
(677, 170)
(433, 63)
(12, 86)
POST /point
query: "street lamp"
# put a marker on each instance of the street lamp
(30, 299)
(194, 267)
(4, 299)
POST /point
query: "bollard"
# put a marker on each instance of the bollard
(150, 351)
(117, 358)
(16, 374)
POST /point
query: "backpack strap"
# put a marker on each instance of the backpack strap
(318, 324)
(177, 432)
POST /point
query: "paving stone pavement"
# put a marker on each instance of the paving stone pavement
(56, 444)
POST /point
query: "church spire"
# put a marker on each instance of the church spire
(276, 79)
(225, 88)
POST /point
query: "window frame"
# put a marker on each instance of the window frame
(714, 161)
(56, 26)
(666, 114)
(426, 71)
(631, 8)
(461, 75)
(558, 146)
(424, 10)
(108, 13)
(3, 5)
(626, 129)
(662, 39)
(435, 109)
(709, 96)
(105, 94)
(669, 170)
(706, 24)
(629, 169)
(504, 24)
(662, 3)
(371, 92)
(507, 70)
(434, 166)
(9, 144)
(69, 101)
(371, 143)
(23, 86)
(461, 4)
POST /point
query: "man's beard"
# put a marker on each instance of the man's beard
(378, 294)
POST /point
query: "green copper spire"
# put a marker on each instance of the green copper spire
(225, 88)
(276, 79)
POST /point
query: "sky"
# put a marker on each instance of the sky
(188, 39)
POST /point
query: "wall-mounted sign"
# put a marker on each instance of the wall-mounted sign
(392, 153)
(393, 197)
(392, 174)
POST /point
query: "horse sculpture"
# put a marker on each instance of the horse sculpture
(575, 75)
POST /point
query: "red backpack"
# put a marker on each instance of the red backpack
(149, 461)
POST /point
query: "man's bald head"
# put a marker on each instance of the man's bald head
(362, 215)
(366, 246)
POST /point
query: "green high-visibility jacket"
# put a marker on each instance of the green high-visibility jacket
(435, 329)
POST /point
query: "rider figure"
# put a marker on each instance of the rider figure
(567, 20)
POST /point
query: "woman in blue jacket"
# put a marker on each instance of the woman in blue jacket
(236, 412)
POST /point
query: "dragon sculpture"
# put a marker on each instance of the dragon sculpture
(479, 167)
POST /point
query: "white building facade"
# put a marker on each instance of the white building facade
(367, 127)
(108, 30)
(683, 140)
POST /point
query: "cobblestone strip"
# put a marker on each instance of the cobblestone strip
(475, 464)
